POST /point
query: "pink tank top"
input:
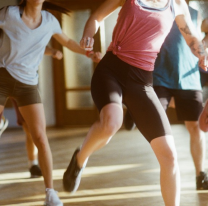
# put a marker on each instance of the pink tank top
(139, 34)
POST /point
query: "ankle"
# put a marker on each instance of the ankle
(81, 162)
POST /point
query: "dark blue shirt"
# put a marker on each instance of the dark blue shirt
(176, 67)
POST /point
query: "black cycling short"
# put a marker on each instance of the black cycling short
(115, 81)
(188, 103)
(204, 78)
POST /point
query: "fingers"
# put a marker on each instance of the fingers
(96, 57)
(58, 55)
(203, 63)
(87, 43)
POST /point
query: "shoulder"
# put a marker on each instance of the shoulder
(48, 16)
(8, 11)
(11, 9)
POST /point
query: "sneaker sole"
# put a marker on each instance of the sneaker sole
(48, 204)
(35, 176)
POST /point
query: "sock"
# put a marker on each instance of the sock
(47, 189)
(32, 162)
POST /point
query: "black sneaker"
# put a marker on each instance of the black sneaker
(35, 171)
(72, 175)
(128, 121)
(202, 181)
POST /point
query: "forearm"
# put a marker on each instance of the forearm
(103, 11)
(75, 47)
(49, 51)
(197, 47)
(91, 27)
(205, 41)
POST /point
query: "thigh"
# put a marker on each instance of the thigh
(34, 117)
(7, 83)
(164, 95)
(20, 119)
(188, 104)
(147, 111)
(105, 87)
(26, 94)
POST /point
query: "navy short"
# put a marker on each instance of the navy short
(188, 103)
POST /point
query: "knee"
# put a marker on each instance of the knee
(192, 127)
(39, 137)
(169, 160)
(111, 124)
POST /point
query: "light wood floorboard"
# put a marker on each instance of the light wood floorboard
(124, 173)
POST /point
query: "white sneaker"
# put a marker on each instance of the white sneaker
(3, 125)
(52, 198)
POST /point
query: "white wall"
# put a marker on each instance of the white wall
(45, 85)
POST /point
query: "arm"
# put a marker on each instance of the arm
(92, 24)
(54, 53)
(75, 47)
(186, 28)
(204, 28)
(65, 41)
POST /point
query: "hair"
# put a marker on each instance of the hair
(48, 6)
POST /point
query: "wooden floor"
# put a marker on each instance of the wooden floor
(124, 173)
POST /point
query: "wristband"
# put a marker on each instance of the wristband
(88, 53)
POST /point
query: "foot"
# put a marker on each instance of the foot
(3, 125)
(72, 175)
(52, 198)
(35, 171)
(202, 181)
(128, 121)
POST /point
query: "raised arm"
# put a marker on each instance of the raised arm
(189, 33)
(93, 22)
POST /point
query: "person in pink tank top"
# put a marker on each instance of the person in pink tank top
(124, 75)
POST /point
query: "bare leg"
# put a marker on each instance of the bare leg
(197, 145)
(111, 118)
(203, 119)
(164, 149)
(32, 151)
(1, 109)
(35, 119)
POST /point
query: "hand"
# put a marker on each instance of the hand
(57, 54)
(203, 59)
(203, 119)
(96, 57)
(87, 43)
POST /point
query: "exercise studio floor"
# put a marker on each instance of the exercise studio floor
(124, 173)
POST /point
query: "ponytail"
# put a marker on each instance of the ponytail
(49, 6)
